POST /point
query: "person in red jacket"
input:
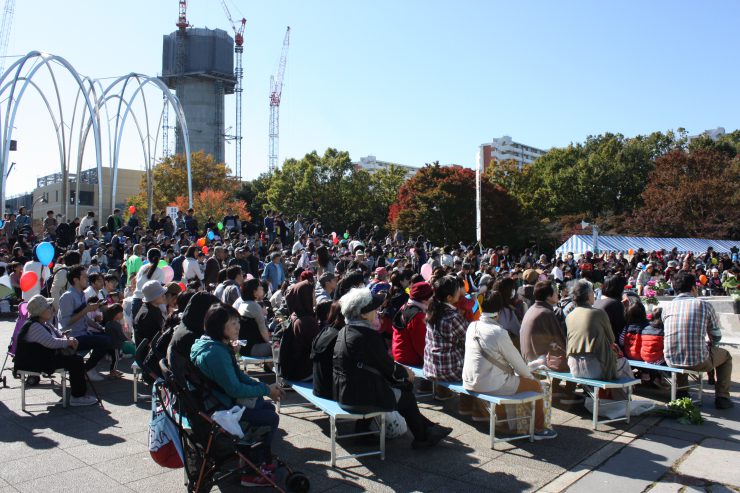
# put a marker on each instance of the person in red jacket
(409, 326)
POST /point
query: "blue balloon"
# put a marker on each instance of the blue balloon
(1, 223)
(210, 235)
(45, 253)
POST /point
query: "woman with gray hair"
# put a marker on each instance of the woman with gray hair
(592, 352)
(366, 379)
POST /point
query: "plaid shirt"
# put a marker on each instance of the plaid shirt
(690, 326)
(444, 351)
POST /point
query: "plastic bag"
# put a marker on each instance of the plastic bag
(612, 409)
(229, 420)
(164, 437)
(395, 425)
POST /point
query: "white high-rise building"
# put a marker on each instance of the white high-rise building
(504, 149)
(371, 164)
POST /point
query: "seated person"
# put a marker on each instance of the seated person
(365, 377)
(253, 325)
(493, 365)
(409, 326)
(692, 335)
(329, 314)
(214, 355)
(189, 329)
(642, 340)
(149, 321)
(591, 348)
(300, 300)
(42, 348)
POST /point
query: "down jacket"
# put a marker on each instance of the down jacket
(644, 343)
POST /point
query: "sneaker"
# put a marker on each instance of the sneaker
(85, 400)
(465, 405)
(256, 480)
(443, 394)
(546, 434)
(723, 403)
(94, 376)
(435, 434)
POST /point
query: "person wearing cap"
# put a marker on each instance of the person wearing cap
(366, 379)
(42, 348)
(150, 318)
(526, 291)
(409, 326)
(274, 273)
(379, 283)
(327, 285)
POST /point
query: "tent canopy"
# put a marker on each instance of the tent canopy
(580, 244)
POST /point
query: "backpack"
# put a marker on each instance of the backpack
(46, 288)
(282, 341)
(157, 352)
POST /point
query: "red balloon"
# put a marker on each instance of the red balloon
(51, 265)
(182, 286)
(28, 280)
(205, 250)
(132, 209)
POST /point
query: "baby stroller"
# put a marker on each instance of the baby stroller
(212, 455)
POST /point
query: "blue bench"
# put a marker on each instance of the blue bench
(673, 372)
(493, 401)
(335, 412)
(256, 360)
(622, 383)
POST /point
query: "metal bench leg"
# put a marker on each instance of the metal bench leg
(701, 390)
(382, 436)
(64, 388)
(629, 403)
(531, 420)
(136, 383)
(333, 425)
(492, 423)
(596, 408)
(23, 391)
(674, 384)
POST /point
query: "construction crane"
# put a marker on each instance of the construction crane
(182, 24)
(5, 31)
(276, 91)
(239, 74)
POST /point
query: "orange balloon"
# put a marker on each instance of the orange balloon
(201, 242)
(703, 279)
(631, 251)
(205, 250)
(28, 280)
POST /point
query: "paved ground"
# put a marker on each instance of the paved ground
(52, 449)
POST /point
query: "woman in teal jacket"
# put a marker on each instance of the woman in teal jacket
(214, 355)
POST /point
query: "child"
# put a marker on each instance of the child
(112, 318)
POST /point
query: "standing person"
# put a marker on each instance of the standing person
(134, 262)
(149, 272)
(213, 266)
(40, 347)
(87, 224)
(692, 334)
(444, 351)
(42, 274)
(191, 267)
(191, 223)
(178, 264)
(73, 310)
(23, 219)
(230, 221)
(274, 273)
(365, 377)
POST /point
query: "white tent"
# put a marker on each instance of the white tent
(580, 244)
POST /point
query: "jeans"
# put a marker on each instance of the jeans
(98, 343)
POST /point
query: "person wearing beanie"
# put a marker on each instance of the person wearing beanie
(150, 319)
(42, 348)
(409, 326)
(380, 282)
(365, 377)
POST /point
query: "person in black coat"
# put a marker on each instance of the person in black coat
(366, 379)
(150, 319)
(611, 302)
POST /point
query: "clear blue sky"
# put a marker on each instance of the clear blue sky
(416, 81)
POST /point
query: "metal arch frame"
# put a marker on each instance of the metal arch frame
(14, 103)
(144, 80)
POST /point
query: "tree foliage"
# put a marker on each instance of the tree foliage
(692, 194)
(170, 179)
(329, 188)
(213, 203)
(439, 203)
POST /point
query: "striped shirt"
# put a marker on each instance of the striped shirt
(690, 326)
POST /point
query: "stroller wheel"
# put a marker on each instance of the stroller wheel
(297, 482)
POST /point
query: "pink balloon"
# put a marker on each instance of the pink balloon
(426, 271)
(169, 274)
(250, 277)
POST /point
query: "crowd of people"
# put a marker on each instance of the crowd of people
(360, 307)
